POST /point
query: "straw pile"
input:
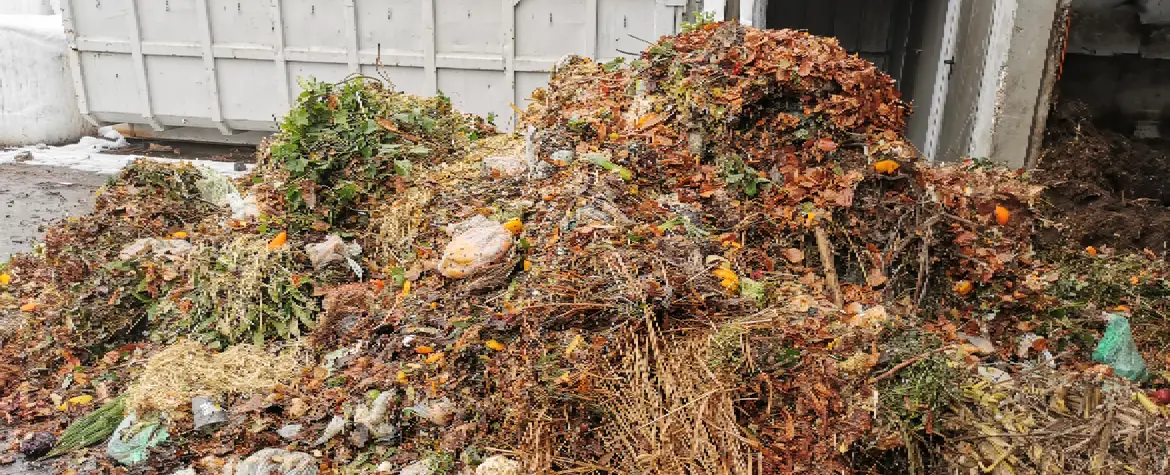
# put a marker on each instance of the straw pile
(188, 369)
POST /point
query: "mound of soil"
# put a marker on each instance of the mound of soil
(1104, 188)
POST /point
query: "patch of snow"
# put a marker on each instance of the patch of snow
(90, 155)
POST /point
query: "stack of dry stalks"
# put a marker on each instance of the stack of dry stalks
(1045, 422)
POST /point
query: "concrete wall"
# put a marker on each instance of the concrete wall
(1019, 91)
(995, 86)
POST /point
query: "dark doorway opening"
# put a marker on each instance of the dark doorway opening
(878, 30)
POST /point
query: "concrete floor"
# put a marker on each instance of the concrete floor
(32, 196)
(20, 466)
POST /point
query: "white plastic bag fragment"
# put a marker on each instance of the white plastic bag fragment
(131, 441)
(439, 412)
(504, 166)
(156, 247)
(37, 100)
(422, 467)
(218, 189)
(333, 249)
(207, 413)
(374, 416)
(336, 425)
(278, 462)
(498, 465)
(478, 243)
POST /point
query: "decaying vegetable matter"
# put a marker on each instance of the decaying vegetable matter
(721, 257)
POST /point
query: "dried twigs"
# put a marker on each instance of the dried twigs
(909, 362)
(826, 250)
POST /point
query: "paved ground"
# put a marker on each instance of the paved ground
(32, 196)
(19, 465)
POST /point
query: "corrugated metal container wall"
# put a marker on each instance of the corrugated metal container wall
(233, 65)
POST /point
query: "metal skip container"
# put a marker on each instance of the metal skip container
(227, 70)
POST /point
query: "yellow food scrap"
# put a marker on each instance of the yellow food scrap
(577, 341)
(81, 400)
(514, 225)
(463, 255)
(964, 287)
(1147, 403)
(730, 280)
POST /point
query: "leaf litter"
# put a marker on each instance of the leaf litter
(721, 257)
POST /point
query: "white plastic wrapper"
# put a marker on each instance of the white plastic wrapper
(37, 100)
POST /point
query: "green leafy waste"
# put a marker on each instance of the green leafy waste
(91, 429)
(245, 292)
(342, 143)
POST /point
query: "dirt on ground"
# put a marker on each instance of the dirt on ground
(33, 196)
(189, 151)
(1105, 188)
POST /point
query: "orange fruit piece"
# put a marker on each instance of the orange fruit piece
(886, 166)
(278, 241)
(1002, 215)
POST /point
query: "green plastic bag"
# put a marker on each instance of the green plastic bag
(132, 440)
(1117, 349)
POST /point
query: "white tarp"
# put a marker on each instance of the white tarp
(37, 101)
(26, 7)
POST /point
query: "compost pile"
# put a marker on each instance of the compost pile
(1104, 187)
(722, 257)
